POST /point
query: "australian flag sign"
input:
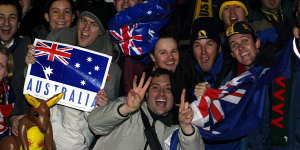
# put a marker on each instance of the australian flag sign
(79, 73)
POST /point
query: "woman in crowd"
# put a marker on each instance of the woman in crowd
(58, 14)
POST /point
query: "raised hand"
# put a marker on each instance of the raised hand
(30, 59)
(102, 98)
(136, 95)
(200, 89)
(185, 116)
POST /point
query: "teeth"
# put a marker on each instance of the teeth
(161, 100)
(170, 63)
(204, 59)
(60, 23)
(245, 53)
(85, 34)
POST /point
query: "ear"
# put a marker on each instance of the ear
(257, 44)
(46, 16)
(32, 101)
(52, 101)
(296, 32)
(152, 57)
(219, 50)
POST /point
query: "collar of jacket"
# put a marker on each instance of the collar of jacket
(168, 119)
(212, 74)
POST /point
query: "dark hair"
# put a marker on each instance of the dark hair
(10, 62)
(165, 33)
(14, 3)
(50, 2)
(296, 13)
(158, 72)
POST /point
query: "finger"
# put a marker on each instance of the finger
(147, 84)
(142, 80)
(186, 106)
(104, 93)
(134, 81)
(182, 98)
(14, 131)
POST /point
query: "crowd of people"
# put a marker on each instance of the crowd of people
(198, 49)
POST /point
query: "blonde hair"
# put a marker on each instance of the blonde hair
(10, 62)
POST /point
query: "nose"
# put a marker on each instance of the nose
(86, 26)
(232, 11)
(162, 93)
(203, 50)
(61, 15)
(6, 21)
(171, 56)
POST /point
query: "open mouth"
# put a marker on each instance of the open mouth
(161, 102)
(84, 35)
(245, 54)
(5, 31)
(170, 63)
(234, 20)
(61, 23)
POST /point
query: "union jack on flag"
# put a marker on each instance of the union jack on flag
(230, 111)
(239, 105)
(136, 28)
(53, 50)
(210, 102)
(77, 72)
(126, 39)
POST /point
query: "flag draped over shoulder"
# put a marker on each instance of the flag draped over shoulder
(136, 28)
(235, 109)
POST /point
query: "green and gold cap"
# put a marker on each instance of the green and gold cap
(240, 28)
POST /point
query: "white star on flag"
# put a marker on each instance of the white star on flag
(89, 59)
(82, 82)
(77, 65)
(97, 68)
(48, 71)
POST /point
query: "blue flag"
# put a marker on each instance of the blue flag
(231, 114)
(78, 72)
(136, 28)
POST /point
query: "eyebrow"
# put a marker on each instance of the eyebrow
(242, 36)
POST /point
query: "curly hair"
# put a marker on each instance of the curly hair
(10, 62)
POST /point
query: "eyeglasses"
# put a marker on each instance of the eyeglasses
(86, 22)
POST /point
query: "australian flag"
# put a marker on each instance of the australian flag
(136, 28)
(72, 69)
(235, 109)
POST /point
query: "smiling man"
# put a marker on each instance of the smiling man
(135, 122)
(207, 63)
(243, 43)
(70, 125)
(10, 15)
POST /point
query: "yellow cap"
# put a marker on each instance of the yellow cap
(232, 3)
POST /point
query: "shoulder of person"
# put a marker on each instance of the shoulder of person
(261, 24)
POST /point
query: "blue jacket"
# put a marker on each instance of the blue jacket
(260, 139)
